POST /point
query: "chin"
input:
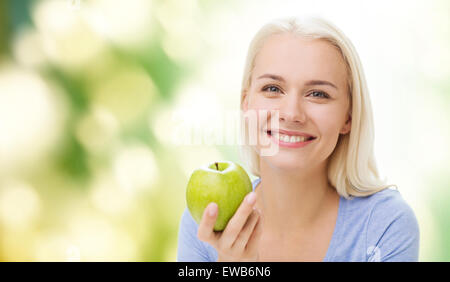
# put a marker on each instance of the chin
(287, 161)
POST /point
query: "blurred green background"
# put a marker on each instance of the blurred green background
(88, 167)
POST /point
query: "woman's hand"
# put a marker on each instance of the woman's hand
(239, 240)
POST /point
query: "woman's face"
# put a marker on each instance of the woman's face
(305, 80)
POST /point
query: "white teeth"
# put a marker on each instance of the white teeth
(289, 139)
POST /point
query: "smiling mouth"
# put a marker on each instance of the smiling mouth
(290, 138)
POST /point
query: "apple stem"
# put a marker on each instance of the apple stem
(217, 166)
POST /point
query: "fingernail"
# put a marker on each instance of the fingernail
(212, 209)
(251, 198)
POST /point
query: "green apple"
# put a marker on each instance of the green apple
(224, 183)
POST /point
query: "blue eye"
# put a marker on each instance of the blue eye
(271, 87)
(323, 94)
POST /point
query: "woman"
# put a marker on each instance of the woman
(319, 198)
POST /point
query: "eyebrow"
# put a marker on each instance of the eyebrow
(308, 83)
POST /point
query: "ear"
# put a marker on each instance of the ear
(347, 126)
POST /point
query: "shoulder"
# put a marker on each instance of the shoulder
(255, 183)
(390, 225)
(385, 205)
(190, 248)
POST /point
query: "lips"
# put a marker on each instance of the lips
(291, 133)
(290, 139)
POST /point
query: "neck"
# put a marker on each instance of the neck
(293, 200)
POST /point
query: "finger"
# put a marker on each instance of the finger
(206, 227)
(238, 220)
(253, 241)
(246, 232)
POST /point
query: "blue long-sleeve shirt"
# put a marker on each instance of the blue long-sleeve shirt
(379, 227)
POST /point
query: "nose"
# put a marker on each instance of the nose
(292, 110)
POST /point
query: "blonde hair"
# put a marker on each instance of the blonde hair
(353, 172)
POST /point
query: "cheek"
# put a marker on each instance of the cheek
(257, 102)
(327, 119)
(262, 108)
